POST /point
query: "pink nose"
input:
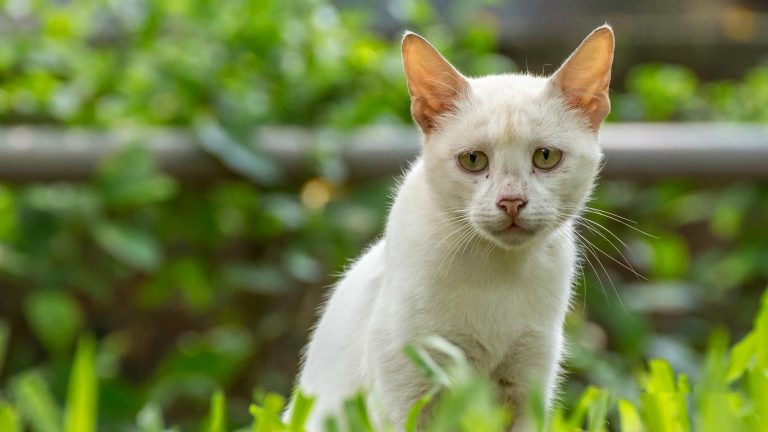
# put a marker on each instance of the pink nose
(511, 205)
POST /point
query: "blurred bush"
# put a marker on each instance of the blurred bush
(197, 286)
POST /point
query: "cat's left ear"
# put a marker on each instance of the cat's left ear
(584, 78)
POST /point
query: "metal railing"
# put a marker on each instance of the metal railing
(633, 151)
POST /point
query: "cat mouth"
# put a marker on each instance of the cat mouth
(511, 235)
(515, 227)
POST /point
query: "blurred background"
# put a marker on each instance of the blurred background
(142, 203)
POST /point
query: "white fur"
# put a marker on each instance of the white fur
(442, 269)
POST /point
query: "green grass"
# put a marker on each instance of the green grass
(730, 395)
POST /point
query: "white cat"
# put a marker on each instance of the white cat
(479, 246)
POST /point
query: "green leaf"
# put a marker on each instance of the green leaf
(134, 246)
(266, 418)
(9, 418)
(35, 403)
(150, 419)
(630, 419)
(356, 414)
(537, 407)
(414, 412)
(5, 333)
(130, 178)
(742, 355)
(588, 398)
(663, 402)
(82, 395)
(761, 333)
(64, 200)
(55, 318)
(423, 352)
(426, 364)
(597, 413)
(670, 256)
(717, 413)
(217, 417)
(8, 222)
(332, 425)
(302, 406)
(239, 158)
(758, 390)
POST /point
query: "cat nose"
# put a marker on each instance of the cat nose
(511, 205)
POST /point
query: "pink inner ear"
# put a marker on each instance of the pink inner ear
(433, 83)
(426, 110)
(587, 92)
(594, 107)
(584, 78)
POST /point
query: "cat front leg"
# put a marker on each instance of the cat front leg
(397, 385)
(533, 360)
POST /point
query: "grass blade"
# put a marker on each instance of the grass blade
(597, 413)
(356, 413)
(82, 396)
(9, 418)
(630, 418)
(35, 403)
(217, 418)
(302, 405)
(266, 418)
(414, 412)
(5, 333)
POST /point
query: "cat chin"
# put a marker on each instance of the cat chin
(511, 238)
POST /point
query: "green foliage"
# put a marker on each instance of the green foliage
(217, 418)
(193, 287)
(724, 399)
(301, 408)
(9, 419)
(81, 411)
(4, 333)
(672, 92)
(54, 317)
(35, 403)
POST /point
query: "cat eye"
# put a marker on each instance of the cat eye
(546, 158)
(473, 160)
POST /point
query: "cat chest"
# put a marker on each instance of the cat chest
(490, 317)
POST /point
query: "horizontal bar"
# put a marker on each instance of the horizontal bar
(633, 151)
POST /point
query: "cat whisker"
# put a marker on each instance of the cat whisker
(592, 249)
(453, 217)
(585, 256)
(581, 270)
(602, 227)
(583, 282)
(602, 212)
(596, 227)
(458, 247)
(616, 219)
(449, 236)
(607, 213)
(594, 270)
(624, 264)
(455, 237)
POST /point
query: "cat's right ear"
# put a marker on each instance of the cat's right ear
(433, 83)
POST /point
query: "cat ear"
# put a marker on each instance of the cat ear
(584, 78)
(433, 83)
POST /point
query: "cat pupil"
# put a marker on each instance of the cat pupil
(472, 157)
(545, 153)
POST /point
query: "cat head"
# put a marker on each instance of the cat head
(514, 156)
